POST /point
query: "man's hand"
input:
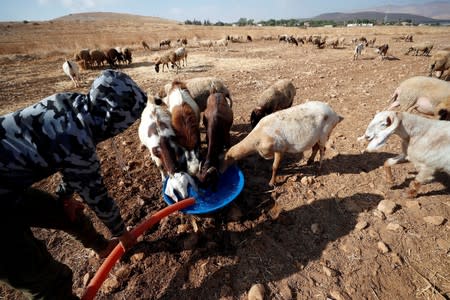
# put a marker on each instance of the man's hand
(72, 208)
(127, 240)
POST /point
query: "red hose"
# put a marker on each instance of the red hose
(118, 251)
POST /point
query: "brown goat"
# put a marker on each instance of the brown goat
(217, 119)
(382, 50)
(185, 122)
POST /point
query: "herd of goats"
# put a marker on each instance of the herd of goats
(170, 123)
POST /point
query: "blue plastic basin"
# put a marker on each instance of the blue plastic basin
(229, 187)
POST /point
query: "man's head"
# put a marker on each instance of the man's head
(115, 102)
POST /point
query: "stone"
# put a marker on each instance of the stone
(387, 206)
(109, 285)
(394, 227)
(86, 279)
(329, 272)
(137, 257)
(379, 214)
(382, 247)
(434, 220)
(316, 228)
(361, 225)
(443, 244)
(256, 292)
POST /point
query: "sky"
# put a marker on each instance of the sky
(182, 10)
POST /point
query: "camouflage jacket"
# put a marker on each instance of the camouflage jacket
(60, 134)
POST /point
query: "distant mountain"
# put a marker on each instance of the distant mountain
(373, 15)
(106, 16)
(435, 9)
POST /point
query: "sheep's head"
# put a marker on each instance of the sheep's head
(444, 114)
(257, 114)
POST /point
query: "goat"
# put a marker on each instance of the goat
(318, 42)
(145, 45)
(84, 57)
(164, 43)
(127, 56)
(278, 96)
(185, 122)
(98, 57)
(425, 143)
(217, 119)
(71, 69)
(371, 42)
(182, 42)
(199, 88)
(358, 50)
(382, 50)
(156, 133)
(112, 55)
(291, 130)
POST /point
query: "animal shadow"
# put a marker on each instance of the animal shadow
(269, 249)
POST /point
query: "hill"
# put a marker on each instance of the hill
(373, 15)
(434, 10)
(110, 16)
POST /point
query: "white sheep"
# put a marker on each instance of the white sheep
(358, 50)
(425, 48)
(425, 143)
(181, 55)
(71, 69)
(206, 43)
(421, 93)
(279, 95)
(291, 130)
(199, 87)
(222, 43)
(440, 62)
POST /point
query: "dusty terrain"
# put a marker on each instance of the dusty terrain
(316, 235)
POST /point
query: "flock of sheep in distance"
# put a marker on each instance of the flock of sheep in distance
(170, 124)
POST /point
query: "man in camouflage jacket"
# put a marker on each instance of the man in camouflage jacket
(60, 134)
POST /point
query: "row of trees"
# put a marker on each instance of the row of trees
(294, 22)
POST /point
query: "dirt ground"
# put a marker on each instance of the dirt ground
(315, 235)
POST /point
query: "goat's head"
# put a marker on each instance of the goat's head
(177, 186)
(380, 129)
(192, 162)
(208, 176)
